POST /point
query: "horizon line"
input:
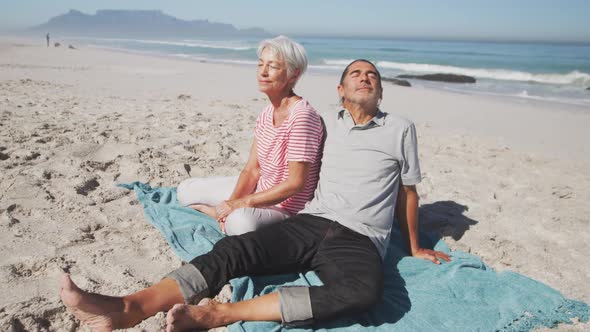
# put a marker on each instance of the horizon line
(20, 32)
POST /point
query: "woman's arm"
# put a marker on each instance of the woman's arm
(246, 185)
(305, 130)
(249, 176)
(295, 182)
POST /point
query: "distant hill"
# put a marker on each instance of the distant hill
(138, 23)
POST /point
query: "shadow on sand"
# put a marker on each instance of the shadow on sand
(445, 218)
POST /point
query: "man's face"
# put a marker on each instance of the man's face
(361, 85)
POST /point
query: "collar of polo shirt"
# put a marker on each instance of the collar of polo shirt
(377, 120)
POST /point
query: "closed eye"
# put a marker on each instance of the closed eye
(355, 73)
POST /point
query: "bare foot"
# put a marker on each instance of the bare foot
(96, 311)
(211, 211)
(184, 317)
(206, 209)
(208, 301)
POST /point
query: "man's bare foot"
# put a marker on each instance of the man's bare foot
(184, 317)
(206, 209)
(96, 311)
(208, 301)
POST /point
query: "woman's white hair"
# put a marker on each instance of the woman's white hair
(289, 51)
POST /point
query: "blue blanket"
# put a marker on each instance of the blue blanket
(463, 295)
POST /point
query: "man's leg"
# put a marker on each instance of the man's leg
(347, 262)
(285, 247)
(280, 248)
(350, 267)
(105, 313)
(261, 308)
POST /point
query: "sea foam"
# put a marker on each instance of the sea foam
(575, 78)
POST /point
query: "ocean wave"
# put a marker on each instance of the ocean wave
(394, 49)
(524, 94)
(564, 100)
(337, 63)
(419, 51)
(236, 62)
(185, 43)
(333, 67)
(575, 77)
(193, 44)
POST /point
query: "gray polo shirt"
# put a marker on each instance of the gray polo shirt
(362, 167)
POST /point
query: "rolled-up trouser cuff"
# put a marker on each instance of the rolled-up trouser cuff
(295, 306)
(191, 282)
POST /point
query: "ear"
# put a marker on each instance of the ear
(295, 76)
(340, 91)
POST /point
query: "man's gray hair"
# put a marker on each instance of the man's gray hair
(289, 51)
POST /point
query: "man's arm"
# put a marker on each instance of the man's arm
(406, 211)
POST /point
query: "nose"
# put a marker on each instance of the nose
(263, 70)
(364, 77)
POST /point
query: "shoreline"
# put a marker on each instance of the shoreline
(574, 106)
(506, 181)
(520, 95)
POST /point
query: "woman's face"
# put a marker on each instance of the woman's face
(272, 73)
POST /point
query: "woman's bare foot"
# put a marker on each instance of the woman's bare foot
(206, 209)
(96, 311)
(211, 211)
(184, 317)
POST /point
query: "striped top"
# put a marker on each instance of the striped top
(298, 138)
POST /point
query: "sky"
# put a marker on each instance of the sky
(554, 20)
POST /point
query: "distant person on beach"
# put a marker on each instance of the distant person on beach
(282, 170)
(47, 38)
(369, 158)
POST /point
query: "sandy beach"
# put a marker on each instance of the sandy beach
(505, 179)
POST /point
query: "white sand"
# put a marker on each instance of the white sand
(508, 180)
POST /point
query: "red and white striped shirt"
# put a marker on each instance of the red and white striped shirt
(298, 138)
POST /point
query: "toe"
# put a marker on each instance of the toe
(205, 301)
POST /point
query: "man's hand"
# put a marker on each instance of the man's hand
(431, 255)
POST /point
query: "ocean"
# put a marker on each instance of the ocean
(552, 72)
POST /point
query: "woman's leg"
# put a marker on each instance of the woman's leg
(246, 220)
(106, 313)
(208, 191)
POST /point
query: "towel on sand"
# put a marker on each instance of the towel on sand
(463, 295)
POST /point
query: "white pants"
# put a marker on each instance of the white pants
(212, 191)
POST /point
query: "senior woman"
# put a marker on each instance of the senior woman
(282, 170)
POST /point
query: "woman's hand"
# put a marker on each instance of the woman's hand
(226, 207)
(211, 211)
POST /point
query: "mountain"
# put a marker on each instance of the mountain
(138, 23)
